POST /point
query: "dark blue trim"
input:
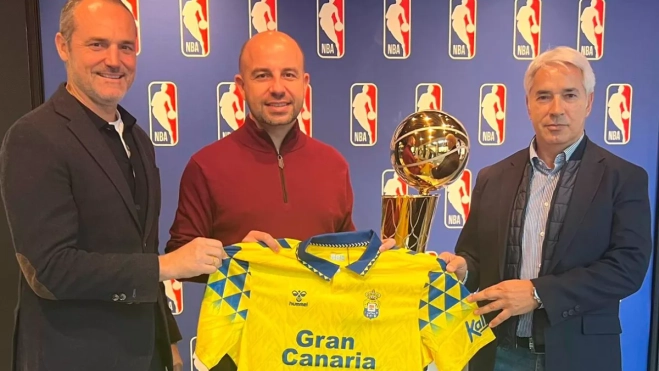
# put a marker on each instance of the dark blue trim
(327, 269)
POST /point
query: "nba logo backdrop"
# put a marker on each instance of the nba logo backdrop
(457, 201)
(174, 293)
(195, 28)
(230, 109)
(263, 16)
(330, 29)
(492, 121)
(590, 35)
(428, 97)
(462, 29)
(528, 29)
(163, 118)
(305, 117)
(618, 123)
(134, 7)
(363, 114)
(397, 39)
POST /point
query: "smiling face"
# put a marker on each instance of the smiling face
(100, 56)
(272, 78)
(558, 106)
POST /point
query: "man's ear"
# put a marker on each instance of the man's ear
(240, 84)
(589, 104)
(62, 47)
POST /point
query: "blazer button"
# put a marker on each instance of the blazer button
(115, 297)
(565, 314)
(122, 297)
(577, 308)
(571, 312)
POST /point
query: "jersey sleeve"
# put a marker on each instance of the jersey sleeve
(224, 310)
(450, 331)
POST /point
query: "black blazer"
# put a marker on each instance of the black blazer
(89, 288)
(601, 257)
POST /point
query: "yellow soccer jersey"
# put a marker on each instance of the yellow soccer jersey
(334, 302)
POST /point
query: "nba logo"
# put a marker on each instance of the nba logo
(305, 115)
(527, 29)
(458, 201)
(492, 120)
(134, 7)
(590, 36)
(194, 28)
(618, 124)
(174, 292)
(393, 185)
(462, 29)
(263, 16)
(230, 109)
(330, 29)
(363, 114)
(196, 364)
(396, 42)
(163, 113)
(428, 97)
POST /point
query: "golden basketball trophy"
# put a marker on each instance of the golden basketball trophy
(429, 150)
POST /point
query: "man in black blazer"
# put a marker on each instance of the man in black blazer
(82, 195)
(557, 236)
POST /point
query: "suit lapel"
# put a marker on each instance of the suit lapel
(509, 182)
(83, 128)
(588, 181)
(151, 176)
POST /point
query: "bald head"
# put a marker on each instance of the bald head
(268, 42)
(272, 79)
(451, 141)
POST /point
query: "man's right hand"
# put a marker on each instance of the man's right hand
(257, 236)
(197, 257)
(455, 264)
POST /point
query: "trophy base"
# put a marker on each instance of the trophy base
(407, 219)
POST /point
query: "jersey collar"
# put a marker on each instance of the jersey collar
(327, 269)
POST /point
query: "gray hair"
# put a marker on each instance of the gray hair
(66, 21)
(563, 56)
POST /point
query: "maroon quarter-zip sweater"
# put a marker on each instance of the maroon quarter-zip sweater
(240, 183)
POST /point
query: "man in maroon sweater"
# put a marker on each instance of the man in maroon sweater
(267, 179)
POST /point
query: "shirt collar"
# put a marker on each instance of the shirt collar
(127, 119)
(568, 152)
(327, 269)
(256, 138)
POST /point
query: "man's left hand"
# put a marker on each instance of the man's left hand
(387, 244)
(176, 357)
(512, 297)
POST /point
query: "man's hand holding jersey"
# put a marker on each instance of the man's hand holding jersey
(197, 257)
(258, 236)
(511, 297)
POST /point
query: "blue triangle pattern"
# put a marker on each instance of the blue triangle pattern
(422, 324)
(243, 314)
(239, 280)
(433, 312)
(434, 293)
(450, 302)
(233, 300)
(218, 286)
(464, 292)
(450, 282)
(422, 304)
(224, 268)
(243, 264)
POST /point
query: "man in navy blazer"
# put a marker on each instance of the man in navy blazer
(557, 236)
(81, 189)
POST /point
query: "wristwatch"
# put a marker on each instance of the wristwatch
(537, 298)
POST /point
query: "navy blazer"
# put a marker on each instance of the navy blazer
(601, 257)
(89, 290)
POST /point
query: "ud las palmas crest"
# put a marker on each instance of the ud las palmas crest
(372, 305)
